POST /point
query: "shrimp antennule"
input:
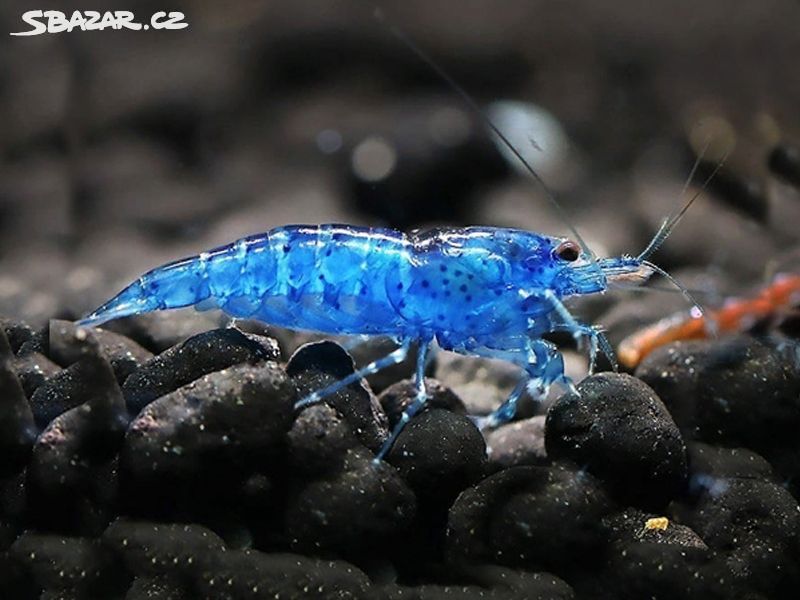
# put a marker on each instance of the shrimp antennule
(670, 222)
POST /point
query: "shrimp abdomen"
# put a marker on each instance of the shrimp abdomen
(174, 285)
(333, 278)
(328, 278)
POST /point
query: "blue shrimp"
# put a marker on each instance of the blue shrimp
(479, 291)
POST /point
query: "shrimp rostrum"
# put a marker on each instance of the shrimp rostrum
(480, 291)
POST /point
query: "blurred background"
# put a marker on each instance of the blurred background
(121, 150)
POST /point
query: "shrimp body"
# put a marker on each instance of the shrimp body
(455, 285)
(478, 290)
(737, 314)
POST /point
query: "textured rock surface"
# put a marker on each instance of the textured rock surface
(507, 515)
(518, 443)
(195, 445)
(199, 355)
(439, 454)
(317, 365)
(621, 432)
(743, 391)
(353, 512)
(17, 430)
(66, 345)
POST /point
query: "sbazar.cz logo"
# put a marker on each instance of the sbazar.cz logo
(55, 21)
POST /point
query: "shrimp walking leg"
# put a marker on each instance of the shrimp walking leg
(580, 332)
(507, 410)
(545, 367)
(413, 408)
(395, 357)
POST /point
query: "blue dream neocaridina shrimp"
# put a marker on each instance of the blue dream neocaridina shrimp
(479, 291)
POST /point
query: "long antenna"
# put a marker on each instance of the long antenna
(673, 281)
(654, 289)
(672, 221)
(396, 32)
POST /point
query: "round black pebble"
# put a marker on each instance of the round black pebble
(317, 365)
(356, 512)
(517, 443)
(17, 430)
(635, 525)
(33, 370)
(156, 549)
(534, 517)
(199, 355)
(17, 333)
(67, 344)
(709, 464)
(71, 387)
(319, 440)
(652, 556)
(250, 575)
(439, 454)
(755, 526)
(738, 391)
(76, 565)
(398, 396)
(225, 424)
(621, 432)
(72, 475)
(36, 343)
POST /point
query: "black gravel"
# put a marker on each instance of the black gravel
(33, 369)
(518, 443)
(16, 333)
(674, 561)
(317, 365)
(360, 509)
(217, 488)
(744, 392)
(205, 438)
(502, 518)
(439, 454)
(17, 430)
(200, 354)
(67, 342)
(619, 430)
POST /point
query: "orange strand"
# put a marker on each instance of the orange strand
(737, 314)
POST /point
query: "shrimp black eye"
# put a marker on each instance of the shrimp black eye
(568, 251)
